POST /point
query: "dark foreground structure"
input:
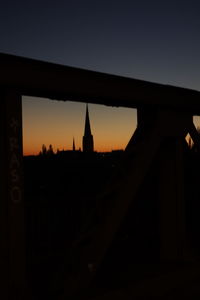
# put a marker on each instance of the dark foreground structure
(138, 240)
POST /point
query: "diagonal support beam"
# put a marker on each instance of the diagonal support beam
(195, 135)
(92, 255)
(156, 137)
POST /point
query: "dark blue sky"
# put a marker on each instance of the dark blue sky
(152, 40)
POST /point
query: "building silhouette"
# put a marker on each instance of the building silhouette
(73, 145)
(88, 143)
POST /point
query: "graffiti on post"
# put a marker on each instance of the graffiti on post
(14, 162)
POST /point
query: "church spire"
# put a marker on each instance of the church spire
(87, 123)
(73, 146)
(88, 143)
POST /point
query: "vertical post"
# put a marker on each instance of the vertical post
(180, 193)
(12, 236)
(173, 128)
(171, 201)
(3, 207)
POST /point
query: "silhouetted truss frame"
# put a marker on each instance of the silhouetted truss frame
(164, 113)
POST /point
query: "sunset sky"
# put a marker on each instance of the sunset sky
(51, 122)
(157, 41)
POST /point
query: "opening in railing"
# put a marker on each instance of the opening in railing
(64, 176)
(57, 123)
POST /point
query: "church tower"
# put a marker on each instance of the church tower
(73, 146)
(88, 143)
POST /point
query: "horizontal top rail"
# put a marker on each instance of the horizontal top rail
(43, 79)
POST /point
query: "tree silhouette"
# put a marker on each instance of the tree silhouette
(50, 150)
(44, 150)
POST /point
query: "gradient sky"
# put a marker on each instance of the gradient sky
(50, 122)
(157, 41)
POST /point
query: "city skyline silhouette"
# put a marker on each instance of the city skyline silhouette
(112, 127)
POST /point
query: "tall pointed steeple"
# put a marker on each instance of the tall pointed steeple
(73, 146)
(88, 143)
(87, 123)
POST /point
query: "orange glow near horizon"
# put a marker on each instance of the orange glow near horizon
(57, 123)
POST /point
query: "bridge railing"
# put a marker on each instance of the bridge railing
(166, 110)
